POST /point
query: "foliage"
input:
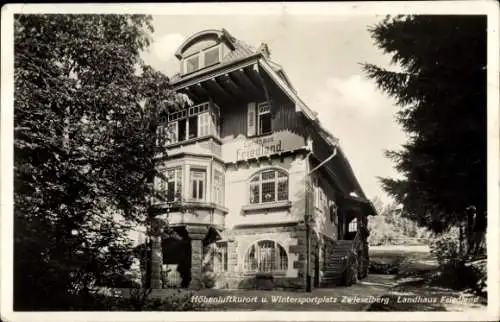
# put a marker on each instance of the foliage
(86, 109)
(174, 300)
(384, 268)
(481, 276)
(446, 247)
(455, 269)
(442, 99)
(389, 227)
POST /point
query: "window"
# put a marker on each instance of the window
(353, 225)
(174, 184)
(198, 180)
(266, 256)
(202, 59)
(269, 186)
(192, 64)
(264, 118)
(211, 57)
(182, 124)
(196, 121)
(204, 124)
(218, 187)
(193, 127)
(221, 258)
(320, 199)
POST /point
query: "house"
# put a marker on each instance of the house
(255, 183)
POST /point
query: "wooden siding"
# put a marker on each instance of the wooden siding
(284, 116)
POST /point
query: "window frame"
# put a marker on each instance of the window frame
(207, 114)
(260, 182)
(201, 59)
(204, 185)
(218, 187)
(178, 183)
(279, 262)
(352, 224)
(222, 256)
(266, 112)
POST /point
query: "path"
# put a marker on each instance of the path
(412, 291)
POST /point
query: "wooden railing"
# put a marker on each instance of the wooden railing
(349, 259)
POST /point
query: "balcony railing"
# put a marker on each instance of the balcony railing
(193, 122)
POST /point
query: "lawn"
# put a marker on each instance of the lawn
(413, 289)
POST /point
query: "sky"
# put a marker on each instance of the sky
(321, 55)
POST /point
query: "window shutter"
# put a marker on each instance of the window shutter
(172, 133)
(251, 126)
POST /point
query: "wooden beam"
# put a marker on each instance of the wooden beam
(222, 84)
(198, 91)
(213, 93)
(230, 85)
(253, 76)
(256, 76)
(212, 84)
(242, 77)
(203, 91)
(191, 93)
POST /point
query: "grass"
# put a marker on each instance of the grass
(417, 285)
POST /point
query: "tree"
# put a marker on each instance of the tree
(441, 92)
(86, 113)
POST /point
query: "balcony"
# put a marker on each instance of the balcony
(195, 129)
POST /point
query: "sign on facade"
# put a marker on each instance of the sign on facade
(245, 149)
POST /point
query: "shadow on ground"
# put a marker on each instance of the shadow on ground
(417, 286)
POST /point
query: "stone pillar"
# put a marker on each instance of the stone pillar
(197, 234)
(196, 264)
(156, 262)
(156, 253)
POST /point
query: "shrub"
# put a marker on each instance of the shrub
(446, 248)
(177, 300)
(209, 279)
(480, 273)
(383, 268)
(455, 271)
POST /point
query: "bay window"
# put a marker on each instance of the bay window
(173, 185)
(198, 179)
(218, 188)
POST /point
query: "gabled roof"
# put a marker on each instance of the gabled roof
(241, 52)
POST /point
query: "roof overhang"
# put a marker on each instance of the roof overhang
(300, 106)
(238, 79)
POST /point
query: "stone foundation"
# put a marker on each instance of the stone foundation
(290, 237)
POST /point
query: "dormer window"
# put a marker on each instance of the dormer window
(202, 59)
(192, 63)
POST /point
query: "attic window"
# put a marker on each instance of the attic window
(211, 56)
(204, 58)
(192, 64)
